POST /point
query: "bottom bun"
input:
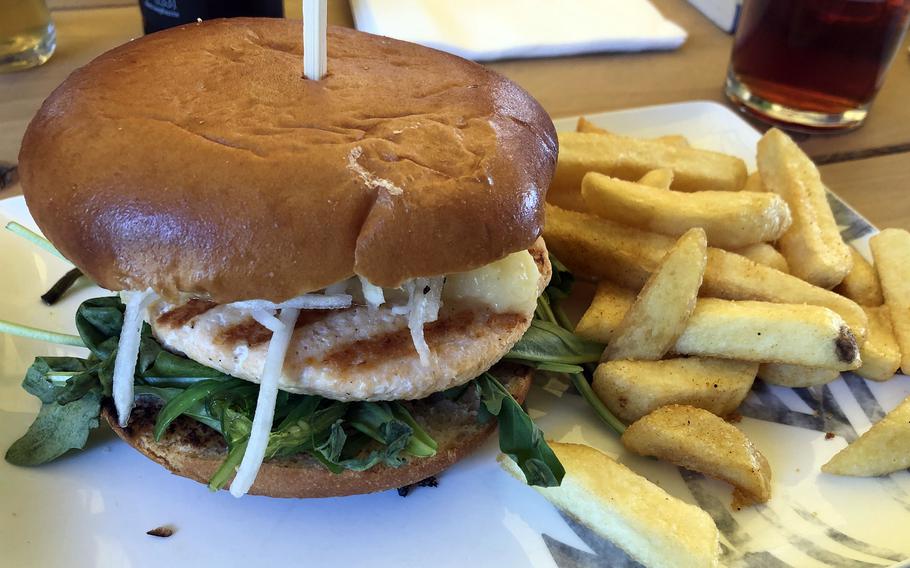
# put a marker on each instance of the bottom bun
(192, 450)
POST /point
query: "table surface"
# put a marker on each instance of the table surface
(869, 167)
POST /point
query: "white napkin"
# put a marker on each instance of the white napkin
(484, 30)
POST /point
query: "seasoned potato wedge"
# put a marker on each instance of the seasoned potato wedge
(763, 253)
(813, 246)
(594, 247)
(730, 220)
(797, 334)
(698, 440)
(659, 313)
(651, 525)
(631, 389)
(607, 309)
(733, 277)
(880, 353)
(883, 449)
(861, 284)
(891, 249)
(661, 178)
(754, 183)
(795, 376)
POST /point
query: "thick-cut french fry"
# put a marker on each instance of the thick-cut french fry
(698, 440)
(661, 178)
(796, 375)
(861, 283)
(891, 249)
(880, 353)
(585, 125)
(883, 449)
(631, 389)
(603, 316)
(813, 246)
(754, 183)
(631, 158)
(763, 253)
(730, 220)
(659, 313)
(652, 526)
(797, 334)
(733, 277)
(595, 247)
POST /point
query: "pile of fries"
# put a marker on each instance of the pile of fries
(706, 279)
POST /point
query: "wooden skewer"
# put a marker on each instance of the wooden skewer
(314, 26)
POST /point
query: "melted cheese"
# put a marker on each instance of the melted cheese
(507, 285)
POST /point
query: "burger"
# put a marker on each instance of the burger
(317, 279)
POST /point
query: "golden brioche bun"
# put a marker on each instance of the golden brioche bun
(198, 160)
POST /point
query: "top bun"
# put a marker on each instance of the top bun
(198, 160)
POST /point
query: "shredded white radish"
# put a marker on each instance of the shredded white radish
(371, 293)
(267, 319)
(128, 353)
(265, 404)
(423, 307)
(304, 302)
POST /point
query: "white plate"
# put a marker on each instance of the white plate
(92, 508)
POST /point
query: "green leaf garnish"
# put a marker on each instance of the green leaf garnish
(519, 436)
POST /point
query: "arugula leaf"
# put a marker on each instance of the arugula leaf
(229, 466)
(519, 436)
(547, 342)
(36, 380)
(168, 365)
(561, 281)
(192, 401)
(57, 429)
(98, 320)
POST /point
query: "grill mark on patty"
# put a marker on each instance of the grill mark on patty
(372, 352)
(181, 315)
(252, 333)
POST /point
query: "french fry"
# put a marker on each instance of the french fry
(730, 220)
(585, 125)
(796, 376)
(797, 334)
(754, 183)
(763, 253)
(813, 246)
(603, 316)
(631, 389)
(883, 449)
(733, 277)
(880, 354)
(631, 158)
(698, 440)
(660, 179)
(595, 247)
(861, 284)
(891, 249)
(659, 313)
(652, 526)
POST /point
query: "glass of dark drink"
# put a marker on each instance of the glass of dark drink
(814, 64)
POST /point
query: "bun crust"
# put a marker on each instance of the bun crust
(192, 450)
(198, 160)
